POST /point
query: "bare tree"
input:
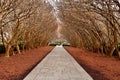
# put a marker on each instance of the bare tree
(96, 24)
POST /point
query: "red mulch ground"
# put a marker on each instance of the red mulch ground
(18, 66)
(98, 66)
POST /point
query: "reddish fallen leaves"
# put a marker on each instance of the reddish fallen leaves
(98, 66)
(18, 66)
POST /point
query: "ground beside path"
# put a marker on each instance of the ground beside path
(18, 66)
(98, 66)
(58, 65)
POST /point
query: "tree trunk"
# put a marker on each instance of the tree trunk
(119, 55)
(116, 42)
(18, 49)
(23, 47)
(112, 50)
(7, 53)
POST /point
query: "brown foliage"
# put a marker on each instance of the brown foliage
(95, 25)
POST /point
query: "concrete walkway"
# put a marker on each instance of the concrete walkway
(58, 65)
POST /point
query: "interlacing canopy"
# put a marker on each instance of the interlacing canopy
(86, 24)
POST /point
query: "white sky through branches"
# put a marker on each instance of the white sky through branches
(55, 11)
(54, 3)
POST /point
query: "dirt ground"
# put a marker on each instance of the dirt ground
(18, 66)
(100, 67)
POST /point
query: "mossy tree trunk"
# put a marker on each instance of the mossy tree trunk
(7, 52)
(18, 48)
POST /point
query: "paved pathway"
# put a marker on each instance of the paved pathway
(58, 65)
